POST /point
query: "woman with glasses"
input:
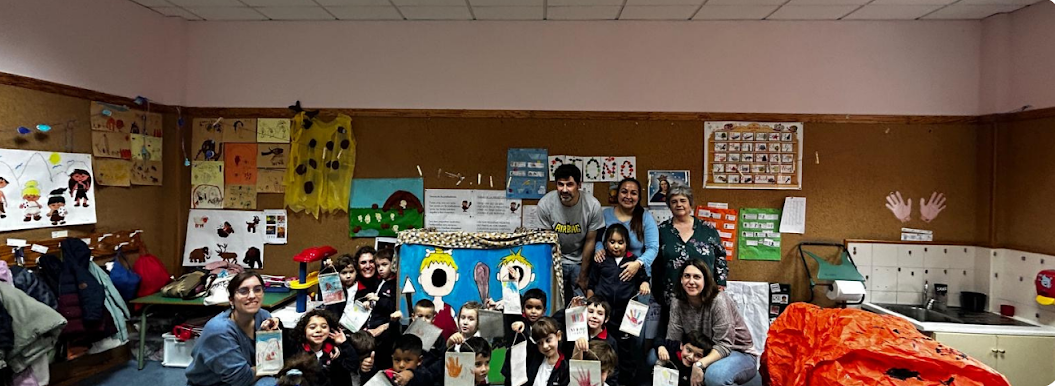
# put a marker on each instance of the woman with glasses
(225, 354)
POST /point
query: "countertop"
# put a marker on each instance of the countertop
(1031, 330)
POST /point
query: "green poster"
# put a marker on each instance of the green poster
(759, 234)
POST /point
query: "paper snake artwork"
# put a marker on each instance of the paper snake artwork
(41, 189)
(439, 274)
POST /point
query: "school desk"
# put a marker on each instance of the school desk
(271, 300)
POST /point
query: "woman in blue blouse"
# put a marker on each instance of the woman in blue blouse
(225, 354)
(643, 242)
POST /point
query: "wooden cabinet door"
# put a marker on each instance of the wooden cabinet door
(977, 346)
(1026, 360)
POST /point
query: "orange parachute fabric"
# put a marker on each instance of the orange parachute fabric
(809, 345)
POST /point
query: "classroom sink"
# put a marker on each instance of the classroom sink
(921, 314)
(952, 315)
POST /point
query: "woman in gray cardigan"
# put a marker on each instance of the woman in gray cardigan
(699, 305)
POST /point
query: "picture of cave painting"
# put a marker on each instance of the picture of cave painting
(385, 206)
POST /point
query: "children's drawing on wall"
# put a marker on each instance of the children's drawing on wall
(239, 163)
(153, 126)
(239, 197)
(117, 119)
(321, 162)
(206, 196)
(438, 273)
(597, 168)
(270, 181)
(224, 235)
(526, 173)
(385, 206)
(113, 172)
(272, 155)
(146, 172)
(43, 189)
(272, 130)
(145, 147)
(206, 137)
(239, 130)
(660, 181)
(111, 145)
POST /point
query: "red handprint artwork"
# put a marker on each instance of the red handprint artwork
(583, 378)
(635, 316)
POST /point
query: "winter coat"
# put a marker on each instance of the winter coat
(80, 295)
(38, 328)
(33, 286)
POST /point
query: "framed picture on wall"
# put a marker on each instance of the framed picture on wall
(660, 181)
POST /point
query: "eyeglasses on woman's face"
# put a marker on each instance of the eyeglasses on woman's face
(244, 291)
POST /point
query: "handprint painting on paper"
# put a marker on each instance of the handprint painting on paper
(901, 208)
(929, 210)
(454, 369)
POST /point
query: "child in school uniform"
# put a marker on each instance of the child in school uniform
(533, 305)
(384, 315)
(550, 368)
(345, 266)
(482, 364)
(406, 362)
(695, 347)
(432, 353)
(336, 359)
(366, 346)
(605, 282)
(468, 325)
(597, 311)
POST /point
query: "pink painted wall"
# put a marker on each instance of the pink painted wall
(1029, 58)
(113, 46)
(788, 67)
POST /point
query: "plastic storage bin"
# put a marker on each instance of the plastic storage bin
(177, 354)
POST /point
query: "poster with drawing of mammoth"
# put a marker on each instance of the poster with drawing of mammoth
(224, 235)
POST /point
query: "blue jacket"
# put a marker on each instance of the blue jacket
(223, 354)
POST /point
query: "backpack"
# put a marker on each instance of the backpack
(217, 294)
(188, 286)
(126, 282)
(152, 273)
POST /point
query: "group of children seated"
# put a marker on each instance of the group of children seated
(324, 353)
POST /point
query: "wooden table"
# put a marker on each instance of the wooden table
(271, 300)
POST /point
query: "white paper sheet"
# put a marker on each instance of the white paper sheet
(662, 376)
(634, 318)
(793, 218)
(458, 369)
(355, 316)
(510, 298)
(531, 219)
(752, 300)
(518, 364)
(453, 210)
(232, 235)
(575, 320)
(380, 379)
(424, 330)
(276, 226)
(268, 352)
(34, 177)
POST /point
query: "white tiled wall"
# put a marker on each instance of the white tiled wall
(1011, 281)
(896, 273)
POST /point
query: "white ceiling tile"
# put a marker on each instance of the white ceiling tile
(580, 3)
(912, 2)
(506, 3)
(970, 12)
(811, 12)
(176, 12)
(416, 12)
(366, 13)
(658, 12)
(207, 3)
(376, 3)
(745, 2)
(508, 13)
(430, 3)
(827, 2)
(891, 12)
(280, 3)
(664, 2)
(999, 2)
(583, 13)
(734, 12)
(296, 13)
(227, 13)
(153, 3)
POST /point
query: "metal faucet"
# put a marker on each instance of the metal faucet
(928, 301)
